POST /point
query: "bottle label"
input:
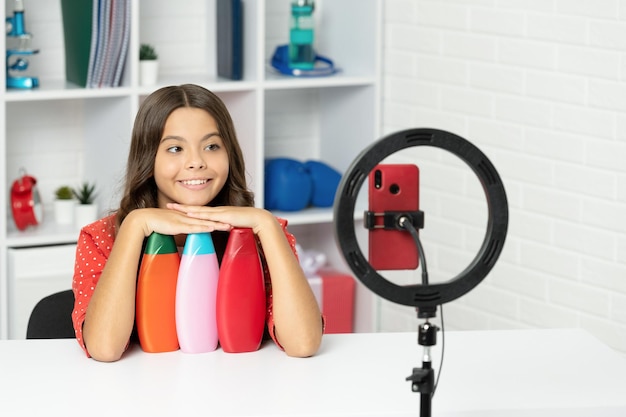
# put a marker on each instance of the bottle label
(303, 22)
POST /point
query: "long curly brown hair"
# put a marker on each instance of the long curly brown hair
(140, 190)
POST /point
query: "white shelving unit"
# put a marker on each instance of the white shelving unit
(64, 134)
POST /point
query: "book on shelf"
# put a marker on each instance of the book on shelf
(96, 35)
(230, 39)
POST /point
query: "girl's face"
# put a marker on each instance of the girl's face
(191, 164)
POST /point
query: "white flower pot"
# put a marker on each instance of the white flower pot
(148, 72)
(64, 211)
(85, 214)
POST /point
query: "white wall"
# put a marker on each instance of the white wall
(540, 87)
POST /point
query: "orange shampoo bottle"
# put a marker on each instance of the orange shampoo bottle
(156, 295)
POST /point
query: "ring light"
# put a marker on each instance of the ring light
(428, 295)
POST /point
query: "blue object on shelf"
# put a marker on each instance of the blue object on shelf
(325, 182)
(288, 185)
(323, 67)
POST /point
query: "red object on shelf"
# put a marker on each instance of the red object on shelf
(335, 295)
(25, 202)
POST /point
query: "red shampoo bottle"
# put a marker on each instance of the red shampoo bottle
(241, 294)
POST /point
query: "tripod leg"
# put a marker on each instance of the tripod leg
(426, 393)
(425, 405)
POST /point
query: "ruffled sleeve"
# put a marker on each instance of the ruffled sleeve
(92, 251)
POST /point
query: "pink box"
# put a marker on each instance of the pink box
(334, 292)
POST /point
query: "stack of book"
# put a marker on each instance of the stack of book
(97, 34)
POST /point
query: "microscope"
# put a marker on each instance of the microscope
(17, 52)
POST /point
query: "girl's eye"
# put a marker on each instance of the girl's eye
(174, 149)
(212, 147)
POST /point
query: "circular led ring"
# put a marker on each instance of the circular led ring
(430, 294)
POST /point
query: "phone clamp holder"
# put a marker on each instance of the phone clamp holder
(392, 219)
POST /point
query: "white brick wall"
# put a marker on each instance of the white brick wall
(540, 87)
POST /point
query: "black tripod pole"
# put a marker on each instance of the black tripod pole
(423, 379)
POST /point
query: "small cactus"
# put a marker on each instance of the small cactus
(85, 193)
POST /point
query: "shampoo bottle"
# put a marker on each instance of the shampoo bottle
(241, 294)
(196, 293)
(156, 295)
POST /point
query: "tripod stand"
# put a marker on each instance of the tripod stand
(426, 294)
(423, 379)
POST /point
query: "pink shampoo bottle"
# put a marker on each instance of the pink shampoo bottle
(196, 293)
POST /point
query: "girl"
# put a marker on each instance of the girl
(185, 174)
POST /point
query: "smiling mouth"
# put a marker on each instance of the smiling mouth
(194, 182)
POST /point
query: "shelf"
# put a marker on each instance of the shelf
(277, 81)
(215, 84)
(313, 215)
(47, 233)
(63, 90)
(306, 216)
(272, 82)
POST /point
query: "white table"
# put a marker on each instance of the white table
(486, 373)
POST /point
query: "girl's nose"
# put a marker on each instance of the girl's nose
(195, 161)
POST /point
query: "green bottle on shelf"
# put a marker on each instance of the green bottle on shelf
(301, 35)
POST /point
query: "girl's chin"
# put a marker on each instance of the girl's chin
(191, 203)
(188, 199)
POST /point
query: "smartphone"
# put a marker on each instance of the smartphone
(392, 187)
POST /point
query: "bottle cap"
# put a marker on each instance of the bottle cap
(198, 244)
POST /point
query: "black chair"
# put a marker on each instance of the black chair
(51, 317)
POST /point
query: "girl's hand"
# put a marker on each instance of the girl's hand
(172, 222)
(227, 217)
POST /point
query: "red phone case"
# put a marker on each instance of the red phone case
(392, 187)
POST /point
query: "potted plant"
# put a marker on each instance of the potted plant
(87, 210)
(64, 205)
(148, 65)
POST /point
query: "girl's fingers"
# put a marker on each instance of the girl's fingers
(198, 212)
(186, 209)
(232, 216)
(176, 222)
(176, 206)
